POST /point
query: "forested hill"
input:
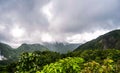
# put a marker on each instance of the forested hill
(9, 53)
(110, 40)
(30, 48)
(6, 50)
(61, 47)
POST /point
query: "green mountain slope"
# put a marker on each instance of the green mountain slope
(6, 50)
(61, 47)
(110, 40)
(30, 48)
(10, 55)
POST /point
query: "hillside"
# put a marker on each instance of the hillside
(30, 48)
(9, 55)
(61, 47)
(110, 40)
(6, 50)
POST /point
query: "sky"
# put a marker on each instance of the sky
(71, 21)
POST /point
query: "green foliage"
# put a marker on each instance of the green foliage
(96, 55)
(77, 65)
(67, 65)
(30, 62)
(91, 67)
(94, 67)
(95, 61)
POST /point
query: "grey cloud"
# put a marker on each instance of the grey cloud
(5, 35)
(84, 16)
(26, 14)
(69, 17)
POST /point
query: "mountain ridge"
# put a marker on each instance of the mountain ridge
(110, 40)
(15, 52)
(61, 47)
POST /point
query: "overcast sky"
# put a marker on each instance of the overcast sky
(73, 21)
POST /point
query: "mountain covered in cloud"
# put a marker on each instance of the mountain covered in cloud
(110, 40)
